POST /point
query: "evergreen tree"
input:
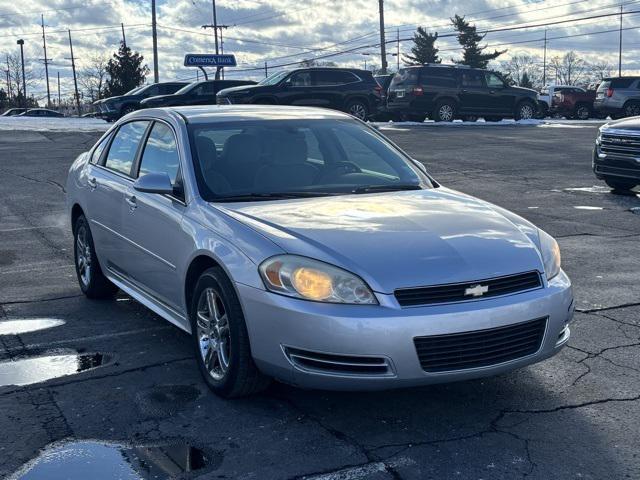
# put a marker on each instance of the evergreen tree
(125, 71)
(525, 81)
(423, 50)
(469, 39)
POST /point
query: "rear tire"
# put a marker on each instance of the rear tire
(582, 112)
(220, 338)
(445, 111)
(620, 185)
(525, 111)
(92, 281)
(358, 108)
(632, 109)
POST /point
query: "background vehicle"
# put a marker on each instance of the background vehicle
(446, 92)
(383, 114)
(618, 97)
(574, 102)
(196, 93)
(350, 90)
(40, 112)
(113, 108)
(12, 112)
(616, 154)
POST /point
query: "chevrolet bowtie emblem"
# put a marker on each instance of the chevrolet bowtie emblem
(476, 290)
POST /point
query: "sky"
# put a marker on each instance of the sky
(280, 32)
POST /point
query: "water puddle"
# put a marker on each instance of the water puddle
(587, 207)
(29, 370)
(25, 325)
(105, 461)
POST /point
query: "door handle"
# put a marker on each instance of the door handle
(464, 90)
(93, 183)
(131, 200)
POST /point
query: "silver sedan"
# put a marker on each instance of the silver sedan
(302, 245)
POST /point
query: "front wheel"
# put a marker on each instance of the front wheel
(525, 111)
(220, 337)
(445, 111)
(358, 109)
(620, 185)
(92, 281)
(582, 112)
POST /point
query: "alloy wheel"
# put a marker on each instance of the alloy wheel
(83, 255)
(213, 333)
(358, 111)
(526, 112)
(445, 112)
(582, 113)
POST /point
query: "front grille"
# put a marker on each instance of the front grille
(460, 292)
(338, 364)
(620, 144)
(481, 348)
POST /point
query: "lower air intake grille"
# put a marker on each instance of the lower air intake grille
(481, 348)
(460, 292)
(338, 364)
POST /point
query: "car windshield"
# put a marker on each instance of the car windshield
(274, 159)
(134, 90)
(187, 88)
(273, 78)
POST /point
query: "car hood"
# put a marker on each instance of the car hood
(522, 90)
(159, 99)
(241, 88)
(629, 123)
(400, 239)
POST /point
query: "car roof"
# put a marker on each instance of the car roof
(230, 113)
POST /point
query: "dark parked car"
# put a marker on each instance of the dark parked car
(445, 92)
(616, 154)
(40, 112)
(348, 89)
(113, 108)
(12, 112)
(573, 102)
(196, 93)
(618, 97)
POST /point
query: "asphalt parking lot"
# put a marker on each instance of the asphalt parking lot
(573, 416)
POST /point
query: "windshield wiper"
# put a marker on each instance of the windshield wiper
(385, 188)
(270, 196)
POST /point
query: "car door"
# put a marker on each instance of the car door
(297, 89)
(108, 180)
(473, 92)
(501, 99)
(330, 87)
(152, 222)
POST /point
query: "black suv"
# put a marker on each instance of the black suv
(347, 89)
(445, 92)
(196, 93)
(113, 108)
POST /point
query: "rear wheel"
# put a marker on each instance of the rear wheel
(620, 185)
(358, 108)
(582, 112)
(445, 111)
(220, 338)
(92, 281)
(525, 111)
(632, 109)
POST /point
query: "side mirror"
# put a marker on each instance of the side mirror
(154, 183)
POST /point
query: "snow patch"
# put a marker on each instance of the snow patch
(53, 124)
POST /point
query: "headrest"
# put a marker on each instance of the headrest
(241, 148)
(290, 150)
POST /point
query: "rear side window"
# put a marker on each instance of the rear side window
(300, 79)
(97, 152)
(124, 147)
(472, 78)
(406, 77)
(207, 88)
(439, 77)
(160, 152)
(622, 82)
(334, 77)
(170, 88)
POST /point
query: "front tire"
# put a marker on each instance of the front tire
(92, 281)
(445, 111)
(358, 108)
(220, 338)
(582, 112)
(525, 111)
(620, 185)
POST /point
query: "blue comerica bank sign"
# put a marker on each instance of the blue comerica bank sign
(209, 60)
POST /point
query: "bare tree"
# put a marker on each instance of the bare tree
(600, 70)
(569, 69)
(93, 77)
(15, 75)
(522, 66)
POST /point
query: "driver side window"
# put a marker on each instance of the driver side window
(493, 81)
(160, 153)
(300, 79)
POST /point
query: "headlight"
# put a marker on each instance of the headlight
(310, 279)
(550, 252)
(599, 137)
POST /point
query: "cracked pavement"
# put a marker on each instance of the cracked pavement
(572, 416)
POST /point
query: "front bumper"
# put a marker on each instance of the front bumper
(277, 324)
(618, 166)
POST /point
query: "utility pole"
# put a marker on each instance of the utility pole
(383, 47)
(544, 60)
(8, 78)
(24, 83)
(620, 46)
(124, 39)
(215, 33)
(266, 72)
(59, 101)
(154, 33)
(398, 48)
(75, 80)
(46, 60)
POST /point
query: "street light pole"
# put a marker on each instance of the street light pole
(154, 34)
(544, 60)
(383, 47)
(24, 83)
(215, 34)
(620, 46)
